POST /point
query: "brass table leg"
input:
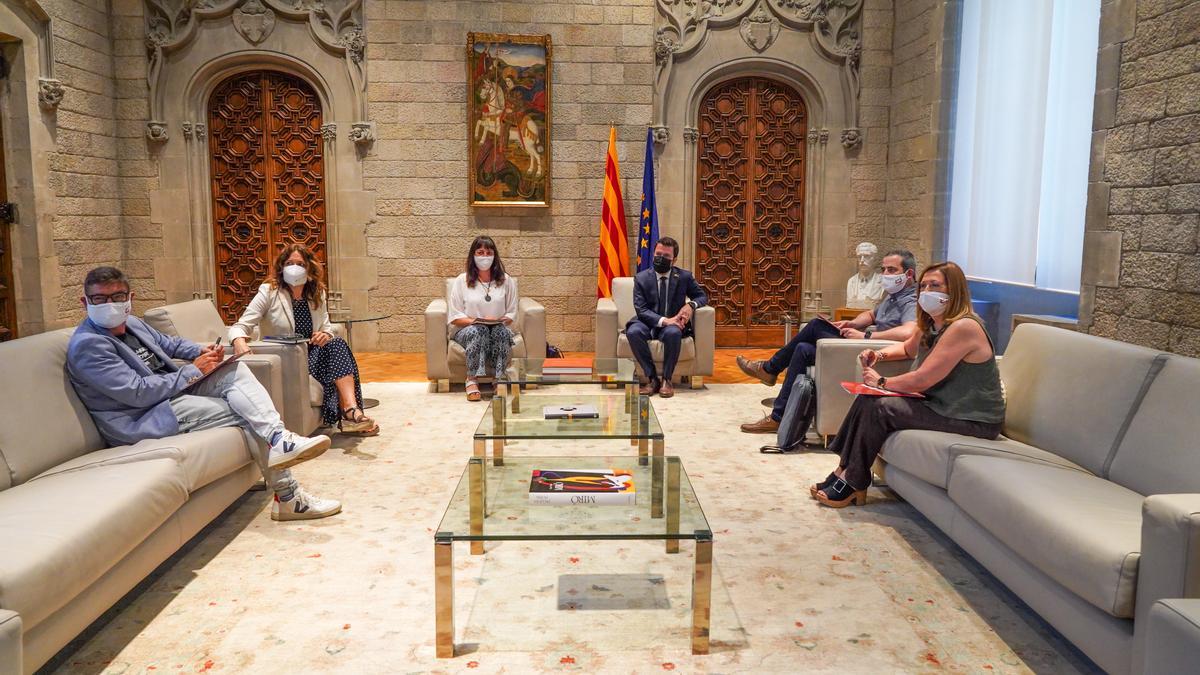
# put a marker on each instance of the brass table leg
(516, 397)
(702, 594)
(635, 418)
(656, 480)
(499, 427)
(443, 594)
(673, 470)
(475, 469)
(481, 454)
(630, 397)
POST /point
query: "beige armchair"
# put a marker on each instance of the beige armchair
(298, 397)
(837, 362)
(445, 360)
(695, 354)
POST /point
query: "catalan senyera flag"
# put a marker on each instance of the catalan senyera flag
(614, 241)
(648, 218)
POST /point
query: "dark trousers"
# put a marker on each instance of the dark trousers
(873, 418)
(796, 357)
(639, 336)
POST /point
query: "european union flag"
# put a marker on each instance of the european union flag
(648, 218)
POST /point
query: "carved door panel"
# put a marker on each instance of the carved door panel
(8, 297)
(750, 207)
(268, 179)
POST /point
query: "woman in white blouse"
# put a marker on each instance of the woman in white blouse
(483, 305)
(293, 302)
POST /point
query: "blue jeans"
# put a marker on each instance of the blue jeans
(796, 358)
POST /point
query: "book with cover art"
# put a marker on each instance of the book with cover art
(570, 412)
(567, 366)
(582, 487)
(867, 390)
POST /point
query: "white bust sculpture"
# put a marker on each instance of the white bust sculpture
(865, 289)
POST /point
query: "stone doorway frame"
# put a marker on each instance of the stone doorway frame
(185, 77)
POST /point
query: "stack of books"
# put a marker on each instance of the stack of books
(572, 366)
(587, 487)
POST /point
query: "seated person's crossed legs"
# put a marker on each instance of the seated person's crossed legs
(796, 357)
(125, 374)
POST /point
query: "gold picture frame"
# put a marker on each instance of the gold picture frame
(508, 97)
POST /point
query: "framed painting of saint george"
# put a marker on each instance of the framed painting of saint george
(508, 118)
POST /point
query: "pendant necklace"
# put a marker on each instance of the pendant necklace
(487, 293)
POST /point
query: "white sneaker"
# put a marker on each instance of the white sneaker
(303, 506)
(293, 448)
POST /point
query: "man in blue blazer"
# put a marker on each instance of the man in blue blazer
(665, 298)
(123, 372)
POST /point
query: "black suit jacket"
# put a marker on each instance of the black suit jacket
(681, 288)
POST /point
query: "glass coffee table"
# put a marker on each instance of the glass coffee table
(620, 418)
(531, 373)
(492, 504)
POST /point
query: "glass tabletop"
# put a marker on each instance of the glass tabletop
(523, 371)
(618, 417)
(507, 513)
(363, 319)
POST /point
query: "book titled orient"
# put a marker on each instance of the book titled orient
(567, 366)
(582, 487)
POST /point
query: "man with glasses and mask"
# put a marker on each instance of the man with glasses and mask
(894, 318)
(664, 298)
(123, 372)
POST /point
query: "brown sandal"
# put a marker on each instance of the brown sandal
(355, 422)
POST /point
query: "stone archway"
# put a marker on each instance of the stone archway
(190, 62)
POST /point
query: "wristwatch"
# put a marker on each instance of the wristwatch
(692, 304)
(867, 333)
(882, 384)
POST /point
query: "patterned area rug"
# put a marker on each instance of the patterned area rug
(796, 587)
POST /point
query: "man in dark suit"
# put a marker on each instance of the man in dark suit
(665, 298)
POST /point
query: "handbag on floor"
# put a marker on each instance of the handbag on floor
(797, 417)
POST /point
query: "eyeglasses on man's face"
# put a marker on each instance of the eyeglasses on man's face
(101, 298)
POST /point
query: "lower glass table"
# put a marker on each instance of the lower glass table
(491, 503)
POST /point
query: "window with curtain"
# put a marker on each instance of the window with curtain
(1022, 140)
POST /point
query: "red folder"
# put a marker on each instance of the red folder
(857, 388)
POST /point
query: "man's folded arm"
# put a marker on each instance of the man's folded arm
(102, 368)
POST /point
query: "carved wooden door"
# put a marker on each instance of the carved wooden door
(750, 207)
(8, 292)
(268, 179)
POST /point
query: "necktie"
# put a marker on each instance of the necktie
(662, 296)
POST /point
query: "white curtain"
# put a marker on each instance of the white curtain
(1022, 133)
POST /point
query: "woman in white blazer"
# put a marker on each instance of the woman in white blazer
(483, 306)
(293, 302)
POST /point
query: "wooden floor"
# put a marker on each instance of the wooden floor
(410, 367)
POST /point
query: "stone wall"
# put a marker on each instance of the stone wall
(602, 66)
(1141, 277)
(917, 156)
(84, 168)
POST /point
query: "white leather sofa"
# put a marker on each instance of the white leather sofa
(1173, 638)
(1088, 507)
(299, 397)
(695, 354)
(445, 360)
(82, 524)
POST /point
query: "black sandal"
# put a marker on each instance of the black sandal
(355, 421)
(829, 480)
(840, 495)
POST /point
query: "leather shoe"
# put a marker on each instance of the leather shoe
(764, 426)
(649, 388)
(667, 390)
(755, 369)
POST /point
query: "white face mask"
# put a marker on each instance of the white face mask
(484, 262)
(110, 314)
(894, 283)
(933, 303)
(295, 275)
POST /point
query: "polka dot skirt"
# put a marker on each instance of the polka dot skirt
(327, 363)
